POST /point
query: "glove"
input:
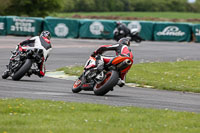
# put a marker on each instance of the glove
(93, 54)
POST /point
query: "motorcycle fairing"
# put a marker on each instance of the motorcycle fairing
(120, 59)
(91, 63)
(126, 51)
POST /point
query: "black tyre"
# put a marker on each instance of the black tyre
(23, 70)
(5, 75)
(138, 40)
(107, 84)
(76, 88)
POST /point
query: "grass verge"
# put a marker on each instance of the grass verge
(42, 116)
(179, 76)
(171, 15)
(150, 16)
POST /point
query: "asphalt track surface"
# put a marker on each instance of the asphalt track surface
(68, 52)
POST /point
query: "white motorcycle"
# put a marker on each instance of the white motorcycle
(25, 59)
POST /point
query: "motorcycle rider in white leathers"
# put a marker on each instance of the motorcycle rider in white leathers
(39, 42)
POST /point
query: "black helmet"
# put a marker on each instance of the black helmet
(125, 41)
(46, 34)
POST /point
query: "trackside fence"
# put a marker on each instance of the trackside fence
(97, 29)
(24, 26)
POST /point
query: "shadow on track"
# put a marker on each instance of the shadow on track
(25, 80)
(91, 94)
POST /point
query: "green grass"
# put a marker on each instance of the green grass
(169, 15)
(41, 116)
(179, 76)
(72, 70)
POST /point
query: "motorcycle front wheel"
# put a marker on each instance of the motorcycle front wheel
(23, 70)
(76, 88)
(5, 75)
(107, 84)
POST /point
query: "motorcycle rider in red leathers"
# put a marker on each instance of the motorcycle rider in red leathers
(121, 48)
(42, 42)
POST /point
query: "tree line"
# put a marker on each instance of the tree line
(42, 8)
(130, 5)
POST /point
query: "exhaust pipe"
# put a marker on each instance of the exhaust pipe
(127, 61)
(124, 64)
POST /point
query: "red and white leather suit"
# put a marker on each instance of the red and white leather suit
(41, 43)
(120, 49)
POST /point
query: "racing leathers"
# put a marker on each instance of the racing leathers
(40, 43)
(120, 49)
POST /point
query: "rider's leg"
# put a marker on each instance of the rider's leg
(41, 69)
(121, 81)
(100, 63)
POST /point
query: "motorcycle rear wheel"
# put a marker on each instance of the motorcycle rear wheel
(23, 70)
(107, 84)
(138, 40)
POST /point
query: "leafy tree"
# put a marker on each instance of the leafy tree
(130, 5)
(84, 5)
(42, 8)
(4, 4)
(118, 5)
(193, 7)
(68, 5)
(39, 8)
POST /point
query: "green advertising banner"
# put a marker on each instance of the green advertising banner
(196, 32)
(62, 28)
(172, 32)
(2, 25)
(105, 28)
(96, 28)
(23, 25)
(145, 28)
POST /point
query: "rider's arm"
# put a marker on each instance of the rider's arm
(26, 42)
(104, 48)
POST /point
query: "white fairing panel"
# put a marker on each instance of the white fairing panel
(39, 46)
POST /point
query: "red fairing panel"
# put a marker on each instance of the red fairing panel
(46, 40)
(106, 60)
(90, 63)
(125, 51)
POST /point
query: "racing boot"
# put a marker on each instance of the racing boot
(29, 73)
(38, 72)
(121, 82)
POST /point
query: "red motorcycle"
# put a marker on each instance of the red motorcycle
(103, 78)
